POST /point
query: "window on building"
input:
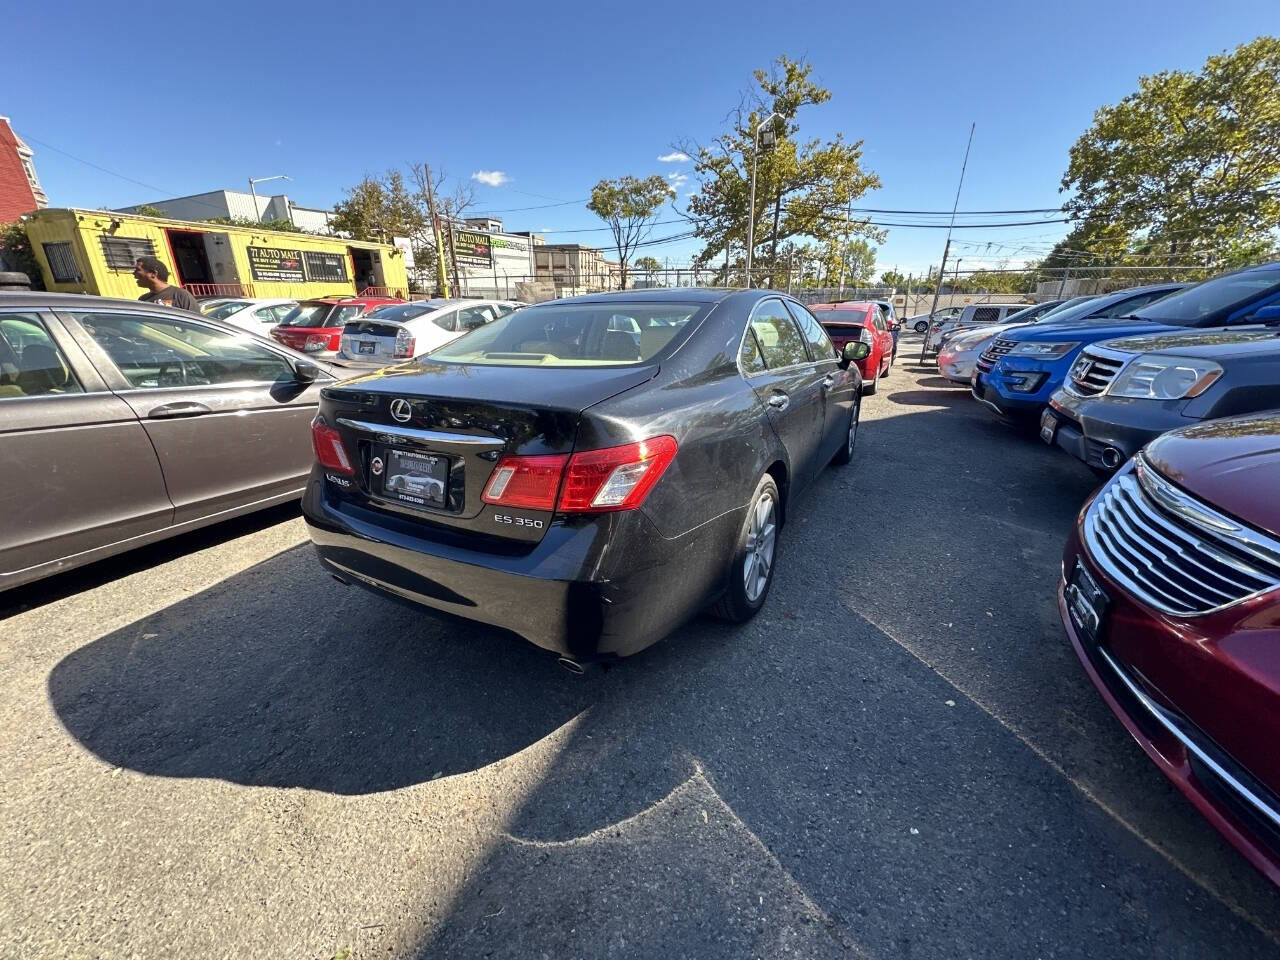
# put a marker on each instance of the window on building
(62, 263)
(326, 266)
(122, 253)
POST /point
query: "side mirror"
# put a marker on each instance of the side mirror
(304, 371)
(853, 350)
(1269, 314)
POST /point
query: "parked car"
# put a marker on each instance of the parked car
(892, 322)
(1122, 394)
(1026, 315)
(1016, 375)
(1171, 599)
(122, 423)
(596, 493)
(254, 315)
(920, 323)
(974, 315)
(315, 326)
(962, 348)
(860, 320)
(405, 330)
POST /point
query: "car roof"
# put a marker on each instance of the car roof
(665, 295)
(40, 298)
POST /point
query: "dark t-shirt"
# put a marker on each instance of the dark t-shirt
(174, 297)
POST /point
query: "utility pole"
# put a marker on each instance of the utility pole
(751, 204)
(791, 265)
(942, 268)
(1066, 275)
(442, 277)
(453, 258)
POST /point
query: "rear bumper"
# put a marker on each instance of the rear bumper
(1203, 712)
(601, 586)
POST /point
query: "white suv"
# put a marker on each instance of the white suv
(974, 315)
(401, 331)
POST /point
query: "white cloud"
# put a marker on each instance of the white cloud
(675, 156)
(492, 178)
(678, 179)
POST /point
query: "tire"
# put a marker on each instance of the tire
(747, 589)
(921, 327)
(845, 454)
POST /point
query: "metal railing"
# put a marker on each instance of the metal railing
(395, 292)
(219, 289)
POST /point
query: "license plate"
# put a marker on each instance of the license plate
(1048, 426)
(368, 346)
(1086, 603)
(413, 478)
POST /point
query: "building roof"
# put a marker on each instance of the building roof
(16, 195)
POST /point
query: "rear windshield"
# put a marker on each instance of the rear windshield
(856, 315)
(1214, 301)
(400, 312)
(573, 335)
(321, 315)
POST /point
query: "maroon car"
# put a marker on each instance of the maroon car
(1171, 598)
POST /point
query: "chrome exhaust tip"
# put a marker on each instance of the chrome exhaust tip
(573, 666)
(1112, 458)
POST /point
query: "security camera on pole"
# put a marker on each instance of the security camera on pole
(769, 139)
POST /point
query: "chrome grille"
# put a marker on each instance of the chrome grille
(1176, 554)
(998, 349)
(1093, 372)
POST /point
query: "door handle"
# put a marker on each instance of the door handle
(828, 381)
(779, 401)
(181, 408)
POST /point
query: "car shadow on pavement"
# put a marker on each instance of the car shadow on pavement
(279, 676)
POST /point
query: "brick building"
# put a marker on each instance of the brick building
(20, 191)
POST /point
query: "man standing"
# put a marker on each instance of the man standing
(154, 275)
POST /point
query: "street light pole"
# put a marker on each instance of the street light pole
(253, 181)
(751, 205)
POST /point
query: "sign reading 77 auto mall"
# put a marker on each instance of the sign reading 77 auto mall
(273, 265)
(473, 248)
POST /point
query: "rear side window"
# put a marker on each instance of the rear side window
(31, 365)
(820, 347)
(750, 357)
(986, 314)
(778, 335)
(447, 321)
(155, 353)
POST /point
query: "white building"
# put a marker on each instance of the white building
(490, 262)
(238, 204)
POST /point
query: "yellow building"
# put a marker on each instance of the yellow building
(93, 251)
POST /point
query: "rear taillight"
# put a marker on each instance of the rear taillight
(591, 481)
(528, 482)
(865, 336)
(316, 342)
(616, 478)
(404, 345)
(330, 452)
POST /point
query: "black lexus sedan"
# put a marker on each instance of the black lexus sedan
(587, 473)
(1122, 394)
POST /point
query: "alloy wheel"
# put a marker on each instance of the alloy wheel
(761, 540)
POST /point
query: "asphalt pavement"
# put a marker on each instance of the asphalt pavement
(209, 748)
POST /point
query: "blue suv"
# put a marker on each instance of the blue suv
(1018, 372)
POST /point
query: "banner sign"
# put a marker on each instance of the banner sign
(273, 265)
(472, 248)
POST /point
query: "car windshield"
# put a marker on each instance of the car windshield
(227, 309)
(399, 312)
(841, 316)
(1214, 300)
(573, 335)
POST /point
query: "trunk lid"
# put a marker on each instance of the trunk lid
(371, 340)
(425, 438)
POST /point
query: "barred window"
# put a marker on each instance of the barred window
(123, 252)
(62, 263)
(326, 266)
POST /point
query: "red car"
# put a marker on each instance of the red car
(315, 326)
(860, 320)
(1171, 598)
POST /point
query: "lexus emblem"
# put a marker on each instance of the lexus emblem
(401, 411)
(376, 466)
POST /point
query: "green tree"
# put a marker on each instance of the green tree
(650, 266)
(803, 187)
(378, 208)
(280, 226)
(629, 205)
(892, 278)
(16, 253)
(149, 210)
(1187, 164)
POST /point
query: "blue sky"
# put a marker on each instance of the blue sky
(556, 96)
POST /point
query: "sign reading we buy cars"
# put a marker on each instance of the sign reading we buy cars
(272, 264)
